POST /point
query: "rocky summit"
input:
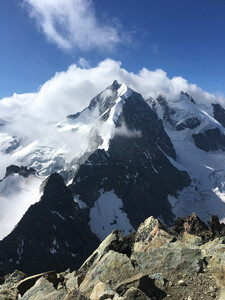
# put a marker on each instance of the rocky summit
(155, 262)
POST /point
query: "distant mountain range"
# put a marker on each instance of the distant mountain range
(126, 158)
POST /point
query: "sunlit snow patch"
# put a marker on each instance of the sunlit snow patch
(108, 128)
(107, 215)
(206, 195)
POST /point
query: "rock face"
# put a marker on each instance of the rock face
(51, 235)
(210, 140)
(219, 113)
(162, 264)
(190, 123)
(22, 171)
(134, 167)
(193, 225)
(188, 97)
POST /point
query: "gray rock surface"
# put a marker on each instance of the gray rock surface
(43, 289)
(161, 264)
(112, 267)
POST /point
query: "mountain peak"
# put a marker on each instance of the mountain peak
(56, 195)
(115, 84)
(54, 180)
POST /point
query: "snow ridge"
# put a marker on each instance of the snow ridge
(206, 194)
(108, 129)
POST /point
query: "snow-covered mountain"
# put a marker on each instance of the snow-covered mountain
(123, 158)
(74, 139)
(198, 136)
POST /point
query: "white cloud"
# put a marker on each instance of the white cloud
(125, 131)
(71, 91)
(72, 24)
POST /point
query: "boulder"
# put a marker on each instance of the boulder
(102, 291)
(152, 234)
(114, 241)
(140, 281)
(159, 279)
(28, 282)
(43, 289)
(134, 294)
(175, 257)
(111, 239)
(157, 247)
(112, 267)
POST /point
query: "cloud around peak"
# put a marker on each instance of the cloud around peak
(68, 92)
(72, 24)
(71, 91)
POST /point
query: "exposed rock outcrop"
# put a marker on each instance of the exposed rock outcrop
(210, 140)
(23, 171)
(188, 123)
(185, 263)
(219, 113)
(193, 225)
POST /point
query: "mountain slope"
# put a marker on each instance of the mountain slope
(18, 190)
(135, 167)
(50, 235)
(198, 139)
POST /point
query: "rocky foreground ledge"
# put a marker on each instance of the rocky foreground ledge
(156, 262)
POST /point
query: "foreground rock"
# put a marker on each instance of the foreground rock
(156, 262)
(25, 284)
(193, 225)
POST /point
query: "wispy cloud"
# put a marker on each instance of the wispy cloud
(72, 24)
(83, 62)
(71, 91)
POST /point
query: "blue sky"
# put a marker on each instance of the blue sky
(184, 38)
